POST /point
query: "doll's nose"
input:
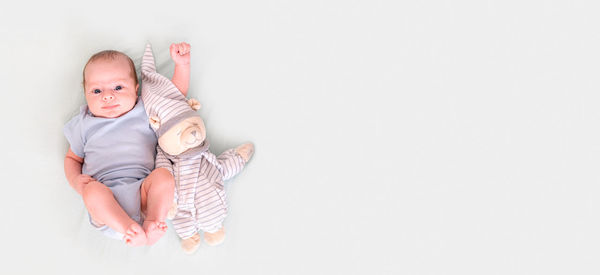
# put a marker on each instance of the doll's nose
(192, 136)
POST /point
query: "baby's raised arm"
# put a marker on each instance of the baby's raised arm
(180, 53)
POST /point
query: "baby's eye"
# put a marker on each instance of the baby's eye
(96, 91)
(118, 88)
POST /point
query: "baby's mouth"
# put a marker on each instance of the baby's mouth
(110, 107)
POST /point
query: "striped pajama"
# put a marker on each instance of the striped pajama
(200, 195)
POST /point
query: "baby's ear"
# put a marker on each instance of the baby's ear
(154, 122)
(194, 104)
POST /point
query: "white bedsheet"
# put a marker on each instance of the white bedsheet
(392, 137)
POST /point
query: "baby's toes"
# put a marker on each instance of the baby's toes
(134, 235)
(132, 231)
(129, 234)
(154, 231)
(162, 226)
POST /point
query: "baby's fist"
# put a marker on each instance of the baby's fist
(180, 53)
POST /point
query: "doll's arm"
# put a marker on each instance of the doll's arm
(76, 179)
(180, 53)
(230, 164)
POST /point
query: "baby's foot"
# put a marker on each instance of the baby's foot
(135, 236)
(154, 230)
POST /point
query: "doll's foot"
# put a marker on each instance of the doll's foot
(215, 238)
(154, 230)
(135, 236)
(191, 244)
(245, 151)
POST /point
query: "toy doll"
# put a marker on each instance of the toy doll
(200, 202)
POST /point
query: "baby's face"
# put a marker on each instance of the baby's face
(110, 91)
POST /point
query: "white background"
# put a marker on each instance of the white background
(392, 137)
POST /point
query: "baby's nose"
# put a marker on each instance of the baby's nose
(108, 97)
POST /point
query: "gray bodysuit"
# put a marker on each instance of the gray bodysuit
(118, 152)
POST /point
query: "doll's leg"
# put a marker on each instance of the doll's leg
(232, 161)
(191, 244)
(157, 196)
(215, 238)
(184, 224)
(104, 209)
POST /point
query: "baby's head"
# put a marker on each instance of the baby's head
(110, 84)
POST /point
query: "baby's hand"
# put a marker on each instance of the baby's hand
(80, 181)
(180, 53)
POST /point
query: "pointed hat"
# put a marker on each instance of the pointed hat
(165, 104)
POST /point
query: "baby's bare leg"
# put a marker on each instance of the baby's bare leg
(104, 209)
(157, 197)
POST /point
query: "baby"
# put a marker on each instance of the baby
(112, 150)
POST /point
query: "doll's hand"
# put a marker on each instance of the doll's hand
(180, 53)
(80, 181)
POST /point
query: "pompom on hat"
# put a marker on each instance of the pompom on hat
(165, 104)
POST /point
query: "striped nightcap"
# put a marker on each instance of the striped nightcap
(165, 104)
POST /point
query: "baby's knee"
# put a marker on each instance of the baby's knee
(162, 176)
(93, 190)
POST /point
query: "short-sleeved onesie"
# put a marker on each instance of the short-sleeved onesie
(118, 152)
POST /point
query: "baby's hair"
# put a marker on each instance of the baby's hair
(111, 55)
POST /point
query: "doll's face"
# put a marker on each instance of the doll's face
(186, 134)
